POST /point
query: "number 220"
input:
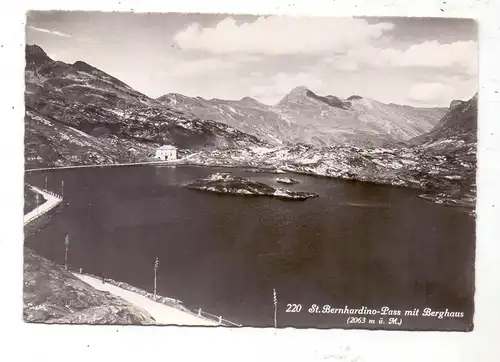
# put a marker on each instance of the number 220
(293, 308)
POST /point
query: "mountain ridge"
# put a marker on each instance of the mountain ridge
(98, 113)
(304, 116)
(456, 130)
(305, 89)
(441, 163)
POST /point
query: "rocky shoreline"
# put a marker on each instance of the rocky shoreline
(418, 173)
(435, 176)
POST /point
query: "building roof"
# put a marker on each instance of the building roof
(167, 147)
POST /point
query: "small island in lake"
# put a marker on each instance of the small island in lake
(226, 183)
(265, 170)
(287, 180)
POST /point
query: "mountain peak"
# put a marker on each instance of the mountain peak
(456, 103)
(83, 66)
(35, 54)
(80, 65)
(354, 97)
(296, 94)
(300, 93)
(249, 100)
(34, 49)
(299, 90)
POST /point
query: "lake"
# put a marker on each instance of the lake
(357, 244)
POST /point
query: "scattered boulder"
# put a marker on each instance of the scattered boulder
(287, 180)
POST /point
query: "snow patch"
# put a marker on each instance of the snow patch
(280, 192)
(41, 120)
(261, 150)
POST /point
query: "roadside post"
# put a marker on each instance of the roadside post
(37, 197)
(157, 262)
(66, 243)
(275, 300)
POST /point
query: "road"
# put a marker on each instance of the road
(50, 202)
(162, 313)
(178, 161)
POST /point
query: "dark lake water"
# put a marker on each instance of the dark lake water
(356, 245)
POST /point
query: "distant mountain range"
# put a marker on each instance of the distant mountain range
(302, 116)
(77, 114)
(442, 162)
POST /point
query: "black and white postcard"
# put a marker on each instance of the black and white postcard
(247, 170)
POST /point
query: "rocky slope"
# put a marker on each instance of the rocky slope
(455, 132)
(51, 143)
(103, 120)
(226, 183)
(305, 117)
(455, 139)
(409, 167)
(53, 295)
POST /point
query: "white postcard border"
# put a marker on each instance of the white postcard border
(85, 343)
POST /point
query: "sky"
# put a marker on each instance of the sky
(415, 61)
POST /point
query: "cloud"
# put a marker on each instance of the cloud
(275, 35)
(178, 67)
(340, 63)
(345, 44)
(460, 56)
(201, 66)
(431, 93)
(410, 89)
(53, 32)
